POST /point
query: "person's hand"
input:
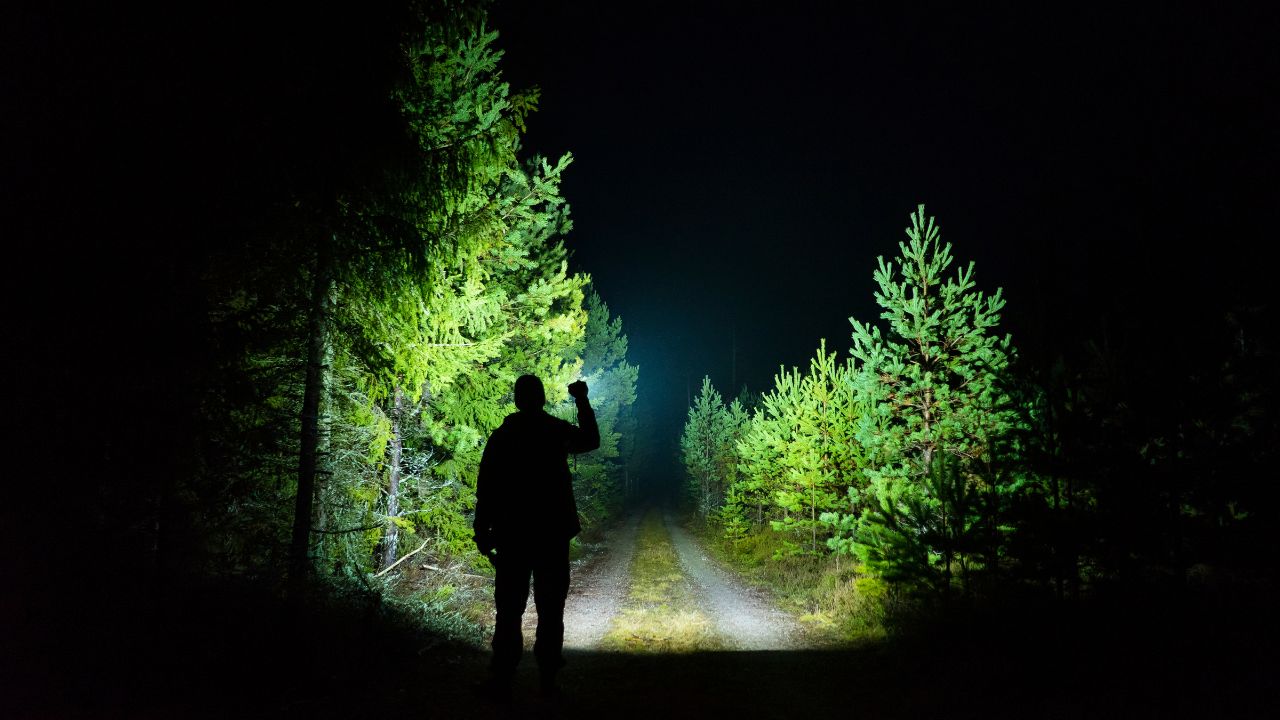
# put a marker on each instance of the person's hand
(578, 390)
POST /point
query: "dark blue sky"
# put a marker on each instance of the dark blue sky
(739, 166)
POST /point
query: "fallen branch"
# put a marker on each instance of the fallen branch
(456, 572)
(393, 565)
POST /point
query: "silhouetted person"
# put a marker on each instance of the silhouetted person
(525, 517)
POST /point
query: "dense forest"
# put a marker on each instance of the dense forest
(365, 345)
(936, 459)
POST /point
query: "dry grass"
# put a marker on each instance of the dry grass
(662, 614)
(448, 588)
(832, 601)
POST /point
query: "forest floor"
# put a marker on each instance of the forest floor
(656, 628)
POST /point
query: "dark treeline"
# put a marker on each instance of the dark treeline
(944, 464)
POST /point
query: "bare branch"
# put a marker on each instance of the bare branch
(393, 565)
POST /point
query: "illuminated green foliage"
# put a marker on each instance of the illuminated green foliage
(372, 346)
(936, 388)
(901, 455)
(709, 447)
(494, 301)
(797, 453)
(600, 476)
(819, 454)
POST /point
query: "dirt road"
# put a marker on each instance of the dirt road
(743, 618)
(598, 589)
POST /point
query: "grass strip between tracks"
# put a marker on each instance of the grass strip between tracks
(662, 613)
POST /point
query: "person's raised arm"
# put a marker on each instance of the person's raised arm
(586, 436)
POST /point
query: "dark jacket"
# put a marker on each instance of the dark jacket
(524, 493)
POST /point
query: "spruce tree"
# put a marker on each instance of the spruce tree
(371, 245)
(424, 344)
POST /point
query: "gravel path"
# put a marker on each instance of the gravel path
(745, 619)
(597, 590)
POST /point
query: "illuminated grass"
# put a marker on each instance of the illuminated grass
(833, 603)
(662, 614)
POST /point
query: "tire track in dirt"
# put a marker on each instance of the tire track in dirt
(597, 590)
(744, 618)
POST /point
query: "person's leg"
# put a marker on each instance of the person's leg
(550, 588)
(510, 594)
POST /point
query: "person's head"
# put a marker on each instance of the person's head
(529, 393)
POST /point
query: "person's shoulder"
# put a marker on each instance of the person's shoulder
(507, 426)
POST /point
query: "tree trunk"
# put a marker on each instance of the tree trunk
(393, 499)
(813, 512)
(324, 448)
(317, 341)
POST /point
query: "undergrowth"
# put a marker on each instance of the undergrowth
(452, 599)
(450, 596)
(835, 603)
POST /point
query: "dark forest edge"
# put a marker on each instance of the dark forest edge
(372, 343)
(934, 472)
(304, 419)
(363, 348)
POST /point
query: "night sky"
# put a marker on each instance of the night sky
(740, 166)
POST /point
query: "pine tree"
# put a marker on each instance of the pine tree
(759, 473)
(802, 439)
(708, 447)
(939, 408)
